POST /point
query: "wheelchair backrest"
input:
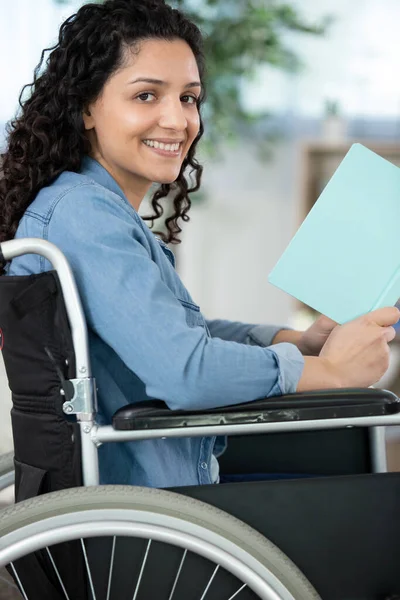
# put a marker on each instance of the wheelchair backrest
(38, 355)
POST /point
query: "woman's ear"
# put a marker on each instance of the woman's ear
(88, 119)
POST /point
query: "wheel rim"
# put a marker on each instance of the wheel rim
(151, 526)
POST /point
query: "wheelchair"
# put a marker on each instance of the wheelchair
(329, 529)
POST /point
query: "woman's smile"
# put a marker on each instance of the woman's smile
(168, 150)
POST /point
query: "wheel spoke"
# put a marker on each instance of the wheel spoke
(88, 570)
(19, 581)
(58, 574)
(238, 592)
(210, 582)
(111, 568)
(177, 575)
(141, 570)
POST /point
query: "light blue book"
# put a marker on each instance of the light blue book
(344, 260)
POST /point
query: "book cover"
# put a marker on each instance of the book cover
(344, 260)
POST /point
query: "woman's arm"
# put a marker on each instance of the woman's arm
(288, 335)
(246, 333)
(129, 305)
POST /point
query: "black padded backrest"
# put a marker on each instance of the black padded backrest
(38, 352)
(34, 323)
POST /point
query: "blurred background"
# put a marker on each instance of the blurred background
(291, 86)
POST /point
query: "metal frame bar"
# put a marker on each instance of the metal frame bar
(93, 436)
(107, 433)
(76, 316)
(377, 440)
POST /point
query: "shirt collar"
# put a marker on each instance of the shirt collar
(92, 168)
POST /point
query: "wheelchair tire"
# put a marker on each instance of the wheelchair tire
(6, 470)
(153, 514)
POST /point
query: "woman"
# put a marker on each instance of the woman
(116, 109)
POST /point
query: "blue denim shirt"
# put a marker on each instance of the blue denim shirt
(148, 339)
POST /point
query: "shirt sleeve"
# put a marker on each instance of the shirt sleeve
(262, 335)
(244, 333)
(127, 303)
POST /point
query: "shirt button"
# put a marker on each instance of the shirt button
(204, 465)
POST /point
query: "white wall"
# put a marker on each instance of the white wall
(356, 62)
(235, 238)
(26, 28)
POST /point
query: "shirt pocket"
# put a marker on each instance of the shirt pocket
(194, 318)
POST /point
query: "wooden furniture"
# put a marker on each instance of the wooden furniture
(319, 160)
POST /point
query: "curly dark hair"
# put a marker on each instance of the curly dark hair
(48, 135)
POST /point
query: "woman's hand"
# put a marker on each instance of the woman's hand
(313, 339)
(358, 350)
(355, 354)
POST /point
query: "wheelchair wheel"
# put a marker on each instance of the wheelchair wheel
(184, 548)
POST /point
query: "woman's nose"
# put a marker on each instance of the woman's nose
(173, 116)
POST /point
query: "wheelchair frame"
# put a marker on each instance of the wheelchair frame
(83, 403)
(78, 393)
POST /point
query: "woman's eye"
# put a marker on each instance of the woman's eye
(145, 96)
(190, 99)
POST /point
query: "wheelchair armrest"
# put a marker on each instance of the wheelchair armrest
(319, 404)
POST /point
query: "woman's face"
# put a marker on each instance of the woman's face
(146, 118)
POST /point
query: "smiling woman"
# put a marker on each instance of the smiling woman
(116, 108)
(137, 67)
